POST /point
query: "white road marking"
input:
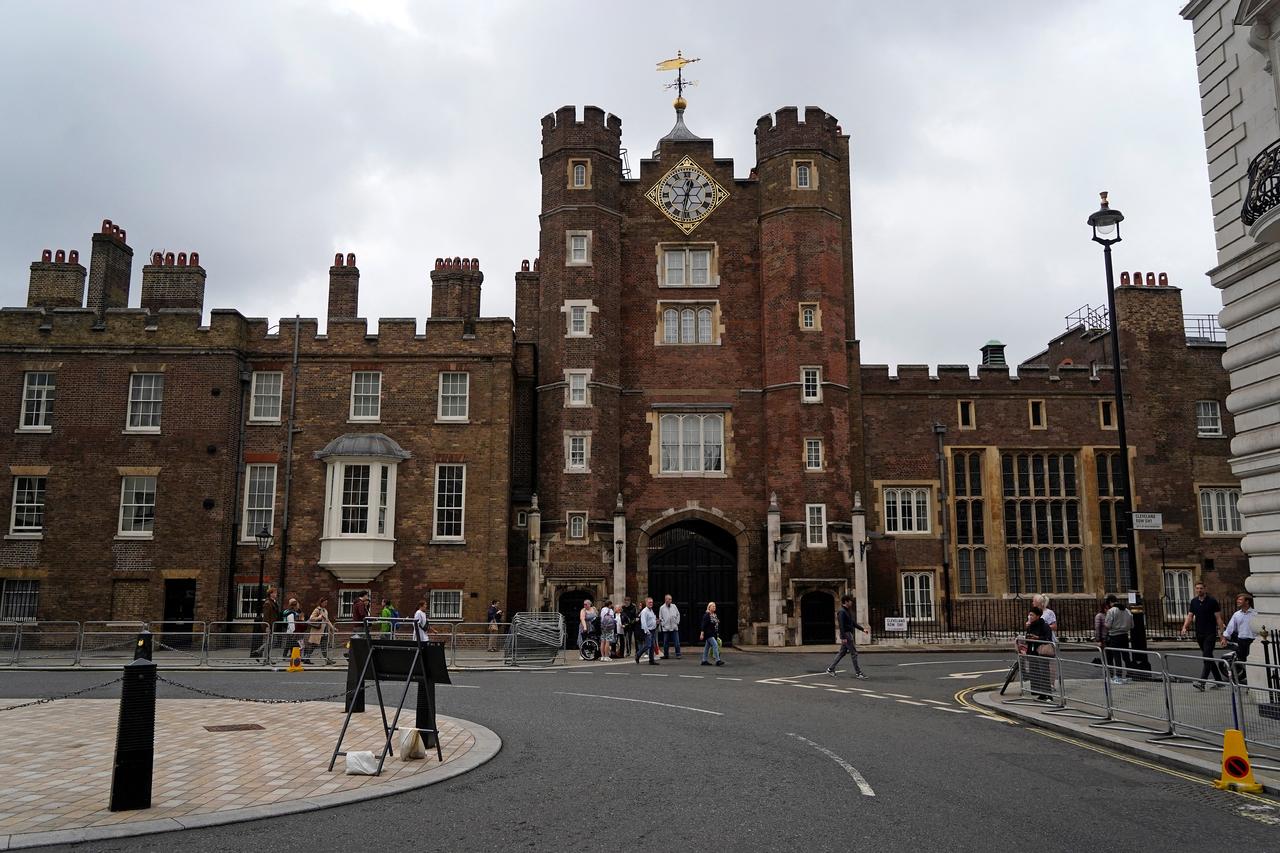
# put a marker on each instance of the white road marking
(642, 702)
(897, 695)
(994, 718)
(615, 673)
(936, 702)
(1262, 814)
(809, 674)
(691, 676)
(467, 686)
(726, 678)
(941, 662)
(973, 675)
(805, 686)
(580, 672)
(912, 702)
(837, 690)
(654, 674)
(873, 696)
(861, 689)
(950, 710)
(848, 768)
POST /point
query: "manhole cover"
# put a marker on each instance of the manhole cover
(239, 727)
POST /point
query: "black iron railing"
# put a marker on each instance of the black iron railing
(1264, 184)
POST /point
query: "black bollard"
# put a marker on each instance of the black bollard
(426, 715)
(135, 738)
(145, 646)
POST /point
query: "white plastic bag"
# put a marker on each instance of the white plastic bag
(362, 763)
(411, 745)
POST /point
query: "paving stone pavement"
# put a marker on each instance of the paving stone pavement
(58, 759)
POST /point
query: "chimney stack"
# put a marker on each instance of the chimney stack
(993, 354)
(57, 280)
(110, 267)
(455, 289)
(344, 288)
(171, 281)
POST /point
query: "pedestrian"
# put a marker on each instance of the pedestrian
(1118, 623)
(269, 615)
(388, 615)
(1050, 618)
(320, 627)
(492, 618)
(586, 624)
(627, 616)
(848, 624)
(1100, 629)
(710, 635)
(608, 629)
(1240, 632)
(669, 624)
(1206, 612)
(293, 629)
(420, 622)
(1039, 650)
(360, 610)
(648, 626)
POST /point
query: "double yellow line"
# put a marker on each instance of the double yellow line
(962, 697)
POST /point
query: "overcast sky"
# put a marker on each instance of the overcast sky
(267, 136)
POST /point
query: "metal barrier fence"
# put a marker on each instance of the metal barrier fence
(1181, 699)
(230, 645)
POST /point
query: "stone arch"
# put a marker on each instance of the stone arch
(735, 529)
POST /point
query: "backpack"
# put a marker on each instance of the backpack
(609, 621)
(297, 618)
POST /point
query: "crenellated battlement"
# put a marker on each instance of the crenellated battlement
(597, 130)
(961, 380)
(783, 130)
(135, 328)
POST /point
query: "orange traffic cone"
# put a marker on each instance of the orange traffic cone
(295, 660)
(1237, 773)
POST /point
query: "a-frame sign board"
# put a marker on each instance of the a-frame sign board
(411, 661)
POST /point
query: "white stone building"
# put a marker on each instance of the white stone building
(1237, 44)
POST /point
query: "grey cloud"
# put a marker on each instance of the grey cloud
(268, 136)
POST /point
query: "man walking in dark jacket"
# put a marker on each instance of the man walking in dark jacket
(848, 624)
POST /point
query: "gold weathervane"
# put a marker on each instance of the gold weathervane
(677, 65)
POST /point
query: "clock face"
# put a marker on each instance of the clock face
(687, 195)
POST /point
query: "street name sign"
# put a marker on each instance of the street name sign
(895, 623)
(1147, 521)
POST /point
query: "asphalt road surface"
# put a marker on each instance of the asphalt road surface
(765, 753)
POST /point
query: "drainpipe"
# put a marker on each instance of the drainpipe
(943, 514)
(245, 378)
(288, 459)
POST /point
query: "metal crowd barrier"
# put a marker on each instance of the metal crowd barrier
(46, 644)
(108, 643)
(534, 639)
(236, 644)
(1154, 693)
(480, 642)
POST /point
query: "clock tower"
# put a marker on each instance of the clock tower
(697, 391)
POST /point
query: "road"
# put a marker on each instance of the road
(765, 753)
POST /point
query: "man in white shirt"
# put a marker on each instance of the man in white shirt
(648, 625)
(1050, 618)
(420, 622)
(1240, 631)
(669, 624)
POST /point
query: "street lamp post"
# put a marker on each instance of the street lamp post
(264, 539)
(1106, 232)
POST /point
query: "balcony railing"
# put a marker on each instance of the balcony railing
(1203, 329)
(1264, 185)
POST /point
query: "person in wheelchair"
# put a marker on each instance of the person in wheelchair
(588, 631)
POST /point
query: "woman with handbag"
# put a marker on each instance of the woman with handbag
(320, 627)
(710, 636)
(1040, 650)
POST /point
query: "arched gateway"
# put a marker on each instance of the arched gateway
(694, 562)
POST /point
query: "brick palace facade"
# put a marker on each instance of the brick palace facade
(680, 407)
